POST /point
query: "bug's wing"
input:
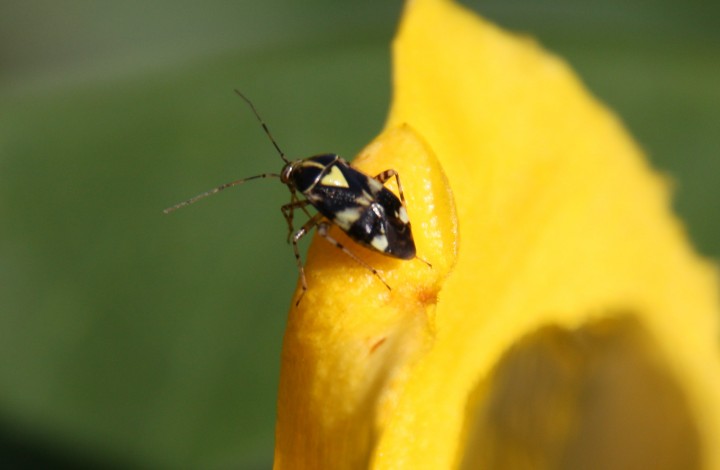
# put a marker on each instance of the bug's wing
(400, 242)
(362, 207)
(380, 229)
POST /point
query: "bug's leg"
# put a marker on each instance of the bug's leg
(322, 229)
(303, 207)
(297, 236)
(288, 212)
(426, 263)
(386, 175)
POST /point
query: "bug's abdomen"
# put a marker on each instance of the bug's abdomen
(381, 229)
(378, 222)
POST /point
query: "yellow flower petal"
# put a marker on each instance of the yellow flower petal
(560, 223)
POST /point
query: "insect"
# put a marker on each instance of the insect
(368, 212)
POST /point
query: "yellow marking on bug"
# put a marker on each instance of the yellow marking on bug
(345, 218)
(307, 163)
(334, 178)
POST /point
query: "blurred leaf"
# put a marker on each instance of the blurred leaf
(157, 338)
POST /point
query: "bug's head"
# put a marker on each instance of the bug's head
(300, 174)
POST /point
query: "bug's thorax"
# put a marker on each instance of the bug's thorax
(304, 175)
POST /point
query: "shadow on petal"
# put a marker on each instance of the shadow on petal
(595, 397)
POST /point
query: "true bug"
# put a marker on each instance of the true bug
(359, 204)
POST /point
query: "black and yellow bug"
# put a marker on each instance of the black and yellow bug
(368, 212)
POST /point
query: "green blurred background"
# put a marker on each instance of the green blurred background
(133, 339)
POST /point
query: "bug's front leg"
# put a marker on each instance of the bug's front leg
(297, 236)
(288, 211)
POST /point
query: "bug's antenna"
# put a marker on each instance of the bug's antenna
(264, 126)
(195, 199)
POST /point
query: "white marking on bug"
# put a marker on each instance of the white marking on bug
(379, 242)
(334, 178)
(365, 199)
(403, 216)
(313, 198)
(345, 218)
(375, 186)
(378, 210)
